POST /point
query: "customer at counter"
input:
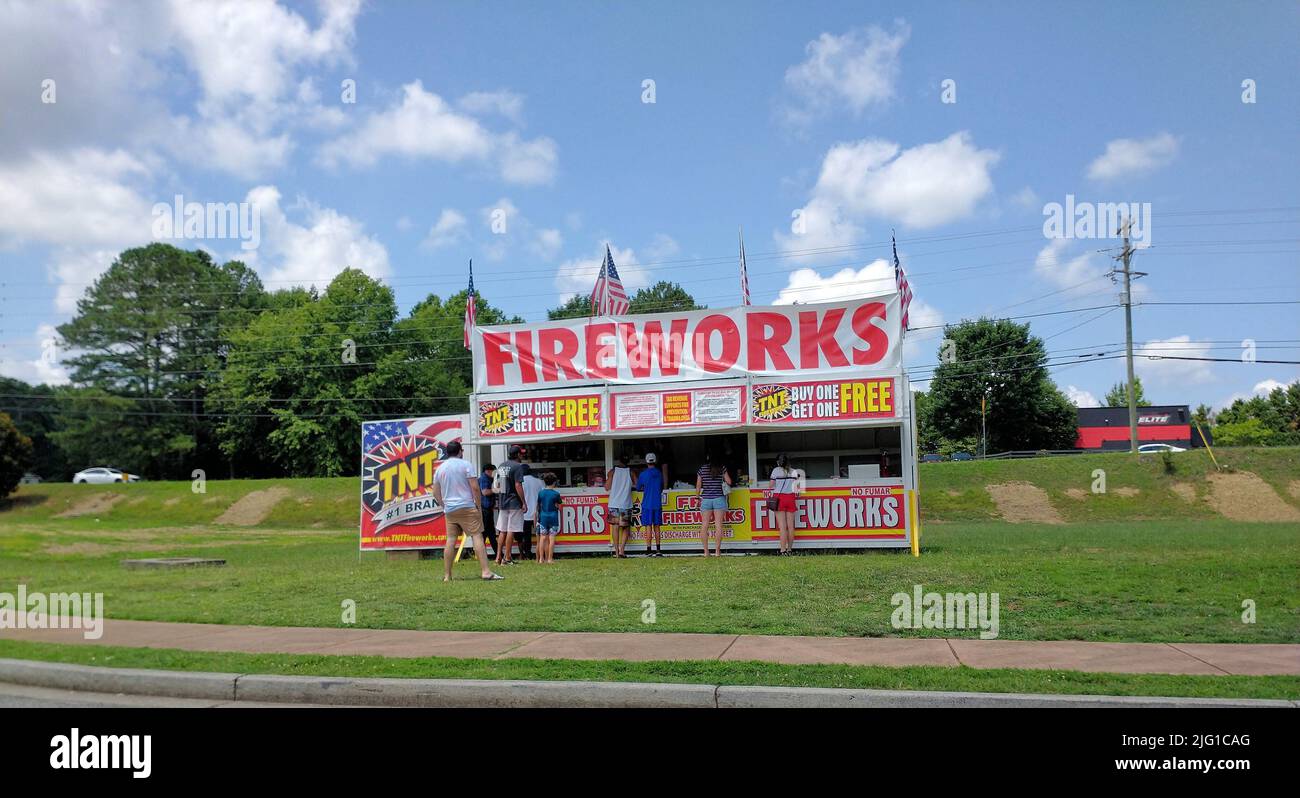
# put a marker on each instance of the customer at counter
(784, 484)
(487, 505)
(651, 485)
(619, 481)
(709, 482)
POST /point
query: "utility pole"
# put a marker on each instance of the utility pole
(1127, 298)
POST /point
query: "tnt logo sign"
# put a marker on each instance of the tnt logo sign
(772, 402)
(495, 418)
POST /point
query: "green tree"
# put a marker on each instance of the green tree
(288, 396)
(1278, 415)
(1203, 415)
(1000, 361)
(1249, 432)
(1117, 396)
(575, 307)
(15, 455)
(34, 411)
(303, 376)
(153, 330)
(662, 297)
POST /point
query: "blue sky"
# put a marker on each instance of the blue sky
(765, 115)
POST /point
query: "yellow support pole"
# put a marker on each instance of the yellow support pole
(461, 546)
(1205, 441)
(915, 511)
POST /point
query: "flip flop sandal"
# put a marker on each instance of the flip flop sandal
(493, 578)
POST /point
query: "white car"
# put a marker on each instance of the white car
(1151, 448)
(103, 476)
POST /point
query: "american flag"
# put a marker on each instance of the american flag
(744, 273)
(471, 312)
(904, 290)
(609, 298)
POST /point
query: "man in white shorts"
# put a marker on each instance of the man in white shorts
(455, 486)
(510, 503)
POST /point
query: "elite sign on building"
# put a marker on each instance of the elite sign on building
(820, 340)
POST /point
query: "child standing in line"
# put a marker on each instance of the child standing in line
(548, 519)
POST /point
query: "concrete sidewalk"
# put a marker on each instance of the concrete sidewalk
(1256, 659)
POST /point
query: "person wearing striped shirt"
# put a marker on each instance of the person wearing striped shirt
(709, 483)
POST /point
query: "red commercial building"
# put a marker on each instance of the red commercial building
(1104, 428)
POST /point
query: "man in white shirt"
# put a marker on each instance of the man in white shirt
(455, 486)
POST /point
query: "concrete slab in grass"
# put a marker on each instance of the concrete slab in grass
(449, 693)
(1073, 655)
(887, 651)
(631, 647)
(1247, 659)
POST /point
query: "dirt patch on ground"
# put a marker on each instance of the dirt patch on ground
(1127, 492)
(1243, 496)
(92, 505)
(1023, 503)
(1078, 494)
(1294, 488)
(953, 493)
(172, 502)
(253, 508)
(1184, 491)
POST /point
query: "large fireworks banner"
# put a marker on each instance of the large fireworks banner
(398, 460)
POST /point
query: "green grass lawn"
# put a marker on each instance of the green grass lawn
(949, 492)
(1134, 581)
(956, 491)
(726, 673)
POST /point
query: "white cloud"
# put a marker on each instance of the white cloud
(228, 145)
(527, 163)
(451, 228)
(311, 253)
(1063, 271)
(548, 243)
(1173, 372)
(578, 276)
(1026, 198)
(1080, 397)
(857, 69)
(807, 285)
(85, 196)
(503, 103)
(1266, 387)
(74, 269)
(925, 186)
(1262, 388)
(424, 126)
(246, 52)
(38, 370)
(662, 247)
(804, 286)
(1130, 157)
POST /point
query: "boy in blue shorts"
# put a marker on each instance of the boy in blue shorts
(651, 485)
(547, 525)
